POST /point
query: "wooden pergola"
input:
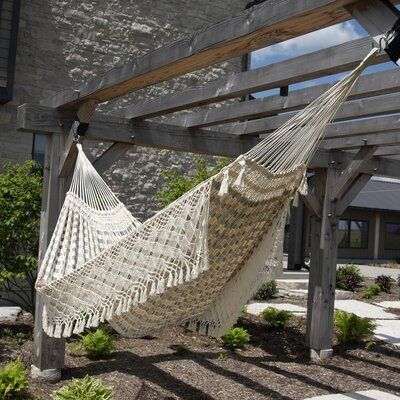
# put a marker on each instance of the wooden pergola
(355, 147)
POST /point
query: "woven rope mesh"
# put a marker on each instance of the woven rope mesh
(196, 262)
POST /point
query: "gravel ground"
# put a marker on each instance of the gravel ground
(177, 364)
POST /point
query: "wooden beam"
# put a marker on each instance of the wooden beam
(313, 65)
(312, 203)
(70, 152)
(360, 181)
(375, 16)
(375, 84)
(352, 170)
(48, 357)
(322, 280)
(44, 120)
(296, 237)
(372, 139)
(262, 25)
(114, 153)
(374, 106)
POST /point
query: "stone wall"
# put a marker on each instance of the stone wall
(62, 42)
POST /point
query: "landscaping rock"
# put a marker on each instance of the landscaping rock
(292, 284)
(9, 314)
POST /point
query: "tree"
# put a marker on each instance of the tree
(20, 200)
(178, 183)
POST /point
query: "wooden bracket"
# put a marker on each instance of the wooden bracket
(112, 154)
(313, 205)
(352, 171)
(360, 181)
(375, 16)
(68, 156)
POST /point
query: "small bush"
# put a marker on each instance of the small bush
(87, 388)
(351, 328)
(235, 337)
(267, 291)
(97, 344)
(13, 381)
(276, 318)
(371, 291)
(348, 277)
(385, 282)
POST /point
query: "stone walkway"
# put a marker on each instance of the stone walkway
(388, 324)
(365, 395)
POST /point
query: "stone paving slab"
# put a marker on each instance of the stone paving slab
(363, 309)
(9, 314)
(389, 304)
(389, 331)
(364, 395)
(258, 308)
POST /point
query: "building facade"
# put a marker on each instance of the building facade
(368, 231)
(63, 42)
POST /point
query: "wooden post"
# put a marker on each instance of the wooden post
(48, 357)
(296, 237)
(322, 281)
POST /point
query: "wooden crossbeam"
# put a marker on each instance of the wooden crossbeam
(268, 23)
(70, 152)
(110, 156)
(150, 134)
(344, 181)
(360, 181)
(312, 203)
(375, 106)
(313, 65)
(375, 84)
(352, 142)
(375, 16)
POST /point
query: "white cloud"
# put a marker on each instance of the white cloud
(313, 41)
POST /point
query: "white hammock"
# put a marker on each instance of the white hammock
(196, 262)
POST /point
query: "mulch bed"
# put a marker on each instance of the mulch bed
(176, 364)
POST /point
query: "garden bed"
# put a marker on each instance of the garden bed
(176, 364)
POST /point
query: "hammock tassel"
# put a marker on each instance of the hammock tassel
(242, 163)
(223, 190)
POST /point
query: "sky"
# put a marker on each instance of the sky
(331, 36)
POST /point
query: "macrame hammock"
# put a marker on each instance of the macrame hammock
(196, 262)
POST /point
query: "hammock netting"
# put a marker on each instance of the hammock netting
(196, 262)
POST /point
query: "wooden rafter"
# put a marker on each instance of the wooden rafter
(313, 65)
(107, 128)
(268, 23)
(374, 84)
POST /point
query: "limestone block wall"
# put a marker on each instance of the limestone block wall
(62, 42)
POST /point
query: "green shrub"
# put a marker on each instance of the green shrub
(276, 318)
(351, 328)
(348, 277)
(20, 201)
(235, 337)
(97, 344)
(385, 282)
(13, 381)
(267, 291)
(87, 388)
(371, 291)
(178, 183)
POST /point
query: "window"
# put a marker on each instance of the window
(353, 234)
(9, 18)
(392, 236)
(38, 148)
